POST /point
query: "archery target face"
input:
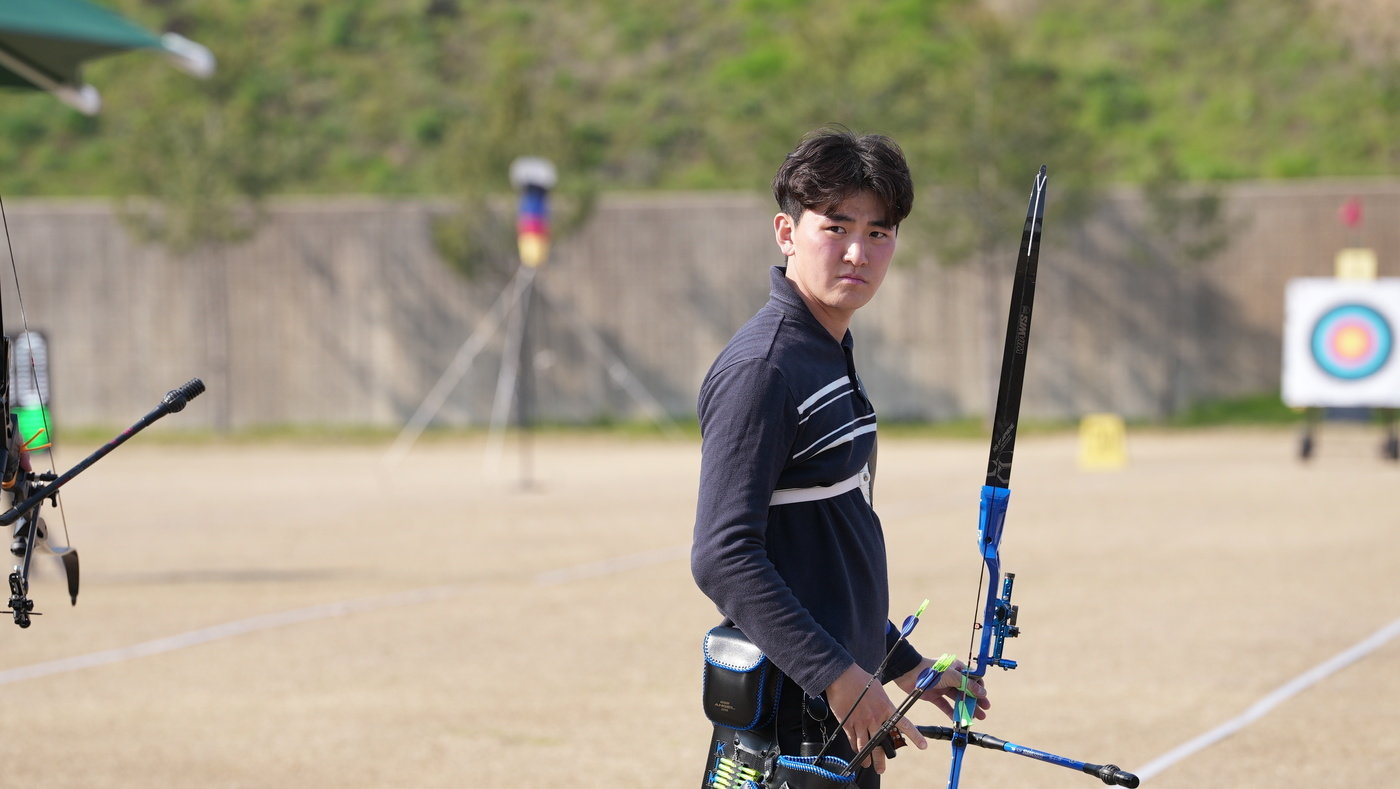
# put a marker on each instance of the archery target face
(1339, 343)
(1351, 341)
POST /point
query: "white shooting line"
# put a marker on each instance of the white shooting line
(296, 616)
(1265, 705)
(226, 630)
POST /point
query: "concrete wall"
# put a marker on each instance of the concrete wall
(339, 312)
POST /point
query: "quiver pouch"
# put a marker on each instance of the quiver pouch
(741, 683)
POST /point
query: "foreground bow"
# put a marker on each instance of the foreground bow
(998, 615)
(29, 489)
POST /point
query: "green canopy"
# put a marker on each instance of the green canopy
(43, 44)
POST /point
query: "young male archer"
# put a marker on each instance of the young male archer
(786, 541)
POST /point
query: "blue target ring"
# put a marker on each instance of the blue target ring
(1352, 341)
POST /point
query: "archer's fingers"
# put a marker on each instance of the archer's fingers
(982, 701)
(962, 683)
(911, 733)
(944, 706)
(979, 690)
(946, 700)
(877, 758)
(953, 676)
(978, 694)
(857, 741)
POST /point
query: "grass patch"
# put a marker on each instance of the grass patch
(371, 435)
(971, 428)
(1260, 409)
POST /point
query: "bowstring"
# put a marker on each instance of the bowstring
(979, 610)
(34, 377)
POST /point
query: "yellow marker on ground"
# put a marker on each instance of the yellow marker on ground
(1102, 442)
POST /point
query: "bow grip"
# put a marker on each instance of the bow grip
(992, 518)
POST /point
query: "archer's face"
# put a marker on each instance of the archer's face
(837, 260)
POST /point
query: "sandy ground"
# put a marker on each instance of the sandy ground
(436, 625)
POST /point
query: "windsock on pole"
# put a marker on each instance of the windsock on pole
(533, 177)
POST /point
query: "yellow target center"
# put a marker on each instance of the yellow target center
(1352, 342)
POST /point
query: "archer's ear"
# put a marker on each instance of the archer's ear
(783, 228)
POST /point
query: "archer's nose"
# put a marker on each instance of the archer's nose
(855, 254)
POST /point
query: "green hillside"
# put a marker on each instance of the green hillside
(407, 97)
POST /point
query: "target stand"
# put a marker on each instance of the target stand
(1339, 355)
(1313, 418)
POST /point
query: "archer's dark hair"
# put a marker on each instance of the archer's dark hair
(833, 163)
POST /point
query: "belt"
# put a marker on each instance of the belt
(861, 479)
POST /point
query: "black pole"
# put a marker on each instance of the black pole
(525, 387)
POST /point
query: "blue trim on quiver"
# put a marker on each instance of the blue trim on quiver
(808, 764)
